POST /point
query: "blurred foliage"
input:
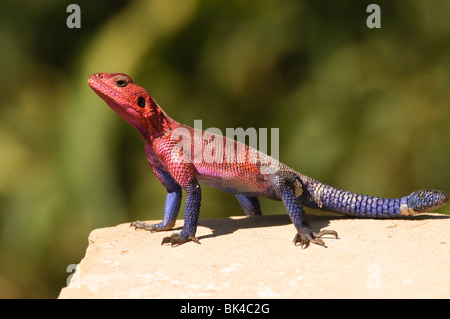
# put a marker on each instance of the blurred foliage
(363, 109)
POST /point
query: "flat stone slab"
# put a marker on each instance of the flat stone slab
(254, 257)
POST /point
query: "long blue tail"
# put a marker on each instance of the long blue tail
(336, 200)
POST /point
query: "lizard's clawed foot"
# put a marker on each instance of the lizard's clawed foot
(141, 225)
(176, 240)
(152, 228)
(305, 236)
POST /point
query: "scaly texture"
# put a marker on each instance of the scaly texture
(183, 157)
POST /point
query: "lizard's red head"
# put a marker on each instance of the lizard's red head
(129, 100)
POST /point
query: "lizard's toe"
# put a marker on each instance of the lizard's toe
(176, 240)
(305, 236)
(141, 225)
(152, 228)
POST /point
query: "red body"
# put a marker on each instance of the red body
(240, 175)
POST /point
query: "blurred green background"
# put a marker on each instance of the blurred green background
(362, 109)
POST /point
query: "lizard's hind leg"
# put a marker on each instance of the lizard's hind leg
(250, 205)
(286, 190)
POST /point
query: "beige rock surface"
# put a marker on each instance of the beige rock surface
(254, 257)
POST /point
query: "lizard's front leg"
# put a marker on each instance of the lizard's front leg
(173, 197)
(191, 215)
(286, 188)
(171, 207)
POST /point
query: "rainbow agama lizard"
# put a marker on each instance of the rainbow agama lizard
(248, 178)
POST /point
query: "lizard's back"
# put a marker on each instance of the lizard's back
(231, 166)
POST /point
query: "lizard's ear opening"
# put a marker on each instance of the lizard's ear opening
(141, 101)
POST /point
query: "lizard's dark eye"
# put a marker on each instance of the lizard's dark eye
(122, 81)
(141, 101)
